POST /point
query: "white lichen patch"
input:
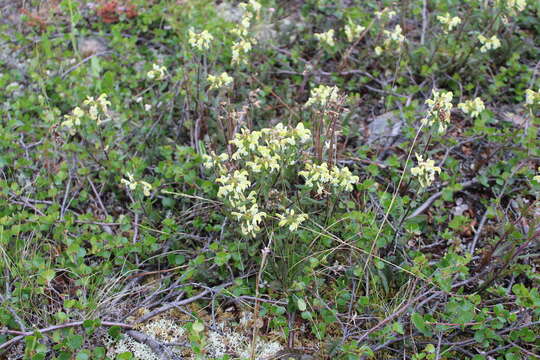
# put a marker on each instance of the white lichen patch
(226, 338)
(228, 341)
(128, 344)
(162, 330)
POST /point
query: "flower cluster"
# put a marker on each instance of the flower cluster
(439, 110)
(326, 38)
(200, 41)
(392, 39)
(353, 31)
(267, 150)
(131, 184)
(425, 171)
(532, 97)
(448, 22)
(240, 49)
(491, 43)
(323, 96)
(472, 107)
(95, 109)
(291, 219)
(245, 43)
(321, 178)
(157, 72)
(219, 81)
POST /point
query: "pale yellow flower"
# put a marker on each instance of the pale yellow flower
(448, 21)
(291, 219)
(249, 219)
(439, 108)
(219, 81)
(343, 178)
(532, 97)
(132, 184)
(326, 37)
(395, 35)
(303, 134)
(537, 177)
(323, 96)
(240, 49)
(491, 43)
(472, 107)
(146, 187)
(425, 171)
(353, 31)
(157, 72)
(200, 41)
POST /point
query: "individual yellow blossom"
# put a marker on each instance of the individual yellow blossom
(425, 171)
(200, 41)
(316, 176)
(249, 219)
(319, 176)
(291, 219)
(326, 37)
(387, 12)
(233, 184)
(472, 107)
(132, 184)
(240, 49)
(301, 133)
(396, 35)
(439, 110)
(323, 96)
(532, 97)
(146, 187)
(353, 31)
(448, 21)
(73, 120)
(343, 178)
(103, 102)
(97, 107)
(157, 72)
(270, 163)
(214, 161)
(245, 141)
(537, 177)
(491, 43)
(392, 38)
(219, 81)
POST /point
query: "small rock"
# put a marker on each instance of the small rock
(91, 45)
(383, 127)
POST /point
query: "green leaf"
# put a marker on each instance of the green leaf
(83, 355)
(75, 342)
(46, 276)
(302, 306)
(419, 322)
(115, 332)
(124, 356)
(398, 328)
(306, 315)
